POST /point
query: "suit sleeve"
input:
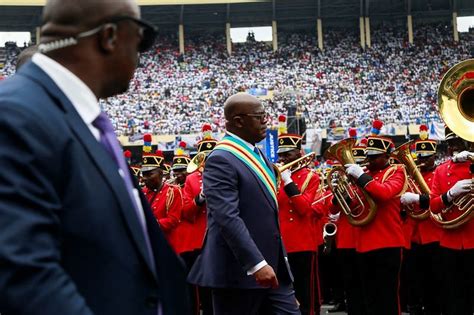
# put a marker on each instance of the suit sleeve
(221, 188)
(301, 202)
(174, 204)
(190, 208)
(32, 280)
(387, 190)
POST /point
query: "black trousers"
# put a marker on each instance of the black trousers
(304, 268)
(380, 278)
(279, 301)
(201, 298)
(349, 268)
(428, 276)
(458, 280)
(410, 286)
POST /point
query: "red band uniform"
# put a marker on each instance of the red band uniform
(457, 245)
(296, 222)
(165, 200)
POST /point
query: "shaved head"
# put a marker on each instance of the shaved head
(238, 103)
(245, 117)
(69, 17)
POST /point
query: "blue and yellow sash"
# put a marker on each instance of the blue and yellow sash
(253, 161)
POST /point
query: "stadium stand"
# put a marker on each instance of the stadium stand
(343, 85)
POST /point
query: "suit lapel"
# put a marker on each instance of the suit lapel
(102, 160)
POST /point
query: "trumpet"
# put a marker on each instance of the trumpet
(294, 166)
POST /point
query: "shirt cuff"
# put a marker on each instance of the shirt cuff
(291, 189)
(363, 180)
(257, 267)
(424, 201)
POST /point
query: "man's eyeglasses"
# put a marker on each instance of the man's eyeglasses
(259, 116)
(147, 32)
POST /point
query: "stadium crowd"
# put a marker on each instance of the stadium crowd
(343, 85)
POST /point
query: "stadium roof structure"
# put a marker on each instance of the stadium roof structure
(290, 14)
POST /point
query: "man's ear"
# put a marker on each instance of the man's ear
(108, 38)
(238, 121)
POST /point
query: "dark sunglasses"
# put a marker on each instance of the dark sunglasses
(148, 31)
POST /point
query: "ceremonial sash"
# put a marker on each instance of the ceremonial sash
(253, 161)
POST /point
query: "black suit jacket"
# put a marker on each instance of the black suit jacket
(242, 227)
(70, 240)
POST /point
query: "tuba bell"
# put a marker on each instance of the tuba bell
(365, 208)
(456, 107)
(416, 182)
(196, 163)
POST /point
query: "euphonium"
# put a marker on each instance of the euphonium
(416, 182)
(362, 209)
(456, 107)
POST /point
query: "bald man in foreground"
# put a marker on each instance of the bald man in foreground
(77, 237)
(243, 258)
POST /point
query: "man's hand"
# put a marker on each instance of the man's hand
(286, 177)
(266, 277)
(409, 198)
(462, 156)
(461, 187)
(354, 170)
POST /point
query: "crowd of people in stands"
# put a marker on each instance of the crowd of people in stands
(343, 85)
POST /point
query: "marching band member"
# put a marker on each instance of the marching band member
(425, 274)
(194, 220)
(453, 179)
(295, 196)
(379, 243)
(347, 257)
(165, 200)
(180, 164)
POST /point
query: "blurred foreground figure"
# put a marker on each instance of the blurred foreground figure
(77, 235)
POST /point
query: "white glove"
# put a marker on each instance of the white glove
(334, 183)
(286, 177)
(334, 217)
(409, 198)
(461, 187)
(354, 170)
(201, 197)
(462, 156)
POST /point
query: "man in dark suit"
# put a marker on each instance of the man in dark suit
(77, 237)
(243, 258)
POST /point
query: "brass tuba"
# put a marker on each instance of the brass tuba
(416, 182)
(365, 208)
(456, 107)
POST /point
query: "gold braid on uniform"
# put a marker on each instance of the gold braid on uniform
(306, 181)
(392, 171)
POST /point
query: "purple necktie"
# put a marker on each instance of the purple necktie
(109, 140)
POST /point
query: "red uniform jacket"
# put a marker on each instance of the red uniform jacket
(166, 205)
(385, 187)
(320, 214)
(295, 213)
(445, 176)
(193, 218)
(427, 230)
